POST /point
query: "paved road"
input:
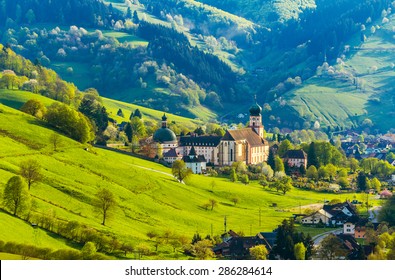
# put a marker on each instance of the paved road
(318, 238)
(374, 213)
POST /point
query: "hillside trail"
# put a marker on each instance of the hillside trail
(153, 170)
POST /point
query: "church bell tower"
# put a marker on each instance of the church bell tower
(256, 119)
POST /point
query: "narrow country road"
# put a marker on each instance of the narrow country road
(374, 213)
(318, 238)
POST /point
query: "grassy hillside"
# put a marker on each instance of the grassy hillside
(16, 98)
(361, 86)
(148, 196)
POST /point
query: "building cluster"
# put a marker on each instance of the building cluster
(246, 145)
(377, 147)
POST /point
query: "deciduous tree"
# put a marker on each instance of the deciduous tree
(31, 171)
(16, 196)
(180, 170)
(35, 108)
(300, 251)
(331, 248)
(105, 203)
(259, 252)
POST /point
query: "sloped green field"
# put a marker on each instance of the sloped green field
(336, 101)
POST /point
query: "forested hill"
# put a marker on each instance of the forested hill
(79, 12)
(190, 56)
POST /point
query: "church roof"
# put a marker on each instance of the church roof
(164, 134)
(247, 134)
(208, 140)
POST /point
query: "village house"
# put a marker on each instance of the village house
(171, 156)
(334, 215)
(295, 158)
(340, 212)
(237, 247)
(318, 217)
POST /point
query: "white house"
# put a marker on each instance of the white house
(315, 218)
(349, 228)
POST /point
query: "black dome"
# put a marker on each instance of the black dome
(255, 110)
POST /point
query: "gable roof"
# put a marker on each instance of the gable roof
(244, 134)
(171, 153)
(299, 154)
(270, 237)
(207, 140)
(338, 208)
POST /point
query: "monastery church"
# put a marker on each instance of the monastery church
(246, 145)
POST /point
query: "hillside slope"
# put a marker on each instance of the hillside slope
(149, 199)
(359, 87)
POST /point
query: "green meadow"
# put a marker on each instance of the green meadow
(16, 98)
(336, 101)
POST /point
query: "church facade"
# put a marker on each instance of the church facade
(246, 145)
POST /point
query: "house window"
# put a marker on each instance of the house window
(348, 230)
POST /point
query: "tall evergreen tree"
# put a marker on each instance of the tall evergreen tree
(138, 114)
(128, 13)
(362, 181)
(270, 159)
(136, 19)
(312, 156)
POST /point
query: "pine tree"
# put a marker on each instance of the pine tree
(128, 13)
(312, 156)
(362, 181)
(136, 19)
(270, 159)
(138, 114)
